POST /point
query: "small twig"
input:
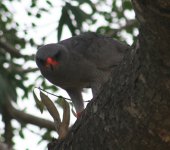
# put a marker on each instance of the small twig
(58, 96)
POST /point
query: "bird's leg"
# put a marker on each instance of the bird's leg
(76, 97)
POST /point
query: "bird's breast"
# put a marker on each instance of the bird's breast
(70, 76)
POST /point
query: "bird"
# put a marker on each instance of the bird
(82, 61)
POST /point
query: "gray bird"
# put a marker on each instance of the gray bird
(79, 62)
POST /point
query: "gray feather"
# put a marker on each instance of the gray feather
(85, 61)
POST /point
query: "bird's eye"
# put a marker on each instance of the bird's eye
(40, 60)
(57, 56)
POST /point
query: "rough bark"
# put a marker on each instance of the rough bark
(132, 112)
(8, 134)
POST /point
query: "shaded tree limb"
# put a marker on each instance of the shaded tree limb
(4, 146)
(23, 117)
(130, 23)
(10, 49)
(8, 133)
(13, 51)
(24, 71)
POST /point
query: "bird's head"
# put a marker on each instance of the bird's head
(51, 56)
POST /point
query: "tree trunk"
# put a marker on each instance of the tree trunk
(132, 111)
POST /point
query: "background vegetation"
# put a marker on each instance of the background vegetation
(17, 48)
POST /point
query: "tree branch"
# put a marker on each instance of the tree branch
(8, 134)
(7, 47)
(13, 51)
(23, 117)
(130, 23)
(4, 146)
(24, 71)
(132, 110)
(58, 96)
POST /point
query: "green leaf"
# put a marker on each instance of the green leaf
(21, 134)
(33, 4)
(71, 26)
(29, 13)
(61, 22)
(43, 9)
(80, 15)
(114, 7)
(47, 135)
(59, 101)
(91, 4)
(38, 15)
(49, 3)
(44, 38)
(127, 5)
(39, 103)
(32, 41)
(33, 24)
(2, 6)
(65, 20)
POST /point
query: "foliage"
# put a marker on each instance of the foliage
(78, 15)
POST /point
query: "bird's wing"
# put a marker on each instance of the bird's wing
(106, 52)
(102, 51)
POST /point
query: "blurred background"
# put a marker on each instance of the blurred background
(26, 25)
